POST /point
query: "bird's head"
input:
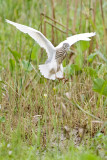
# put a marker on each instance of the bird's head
(66, 46)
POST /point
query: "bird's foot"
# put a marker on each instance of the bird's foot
(62, 79)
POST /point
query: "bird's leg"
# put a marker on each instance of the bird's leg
(56, 76)
(60, 78)
(63, 79)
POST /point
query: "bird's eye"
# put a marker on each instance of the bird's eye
(65, 45)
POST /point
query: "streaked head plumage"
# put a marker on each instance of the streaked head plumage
(66, 46)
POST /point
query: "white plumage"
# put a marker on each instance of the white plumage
(52, 68)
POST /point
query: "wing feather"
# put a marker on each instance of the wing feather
(37, 36)
(73, 39)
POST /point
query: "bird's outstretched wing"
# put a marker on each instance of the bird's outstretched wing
(73, 39)
(37, 36)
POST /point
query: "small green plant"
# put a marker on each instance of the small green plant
(100, 86)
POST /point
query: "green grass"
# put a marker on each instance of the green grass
(19, 150)
(43, 119)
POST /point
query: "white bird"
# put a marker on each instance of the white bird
(52, 68)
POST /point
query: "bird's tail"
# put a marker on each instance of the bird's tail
(45, 71)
